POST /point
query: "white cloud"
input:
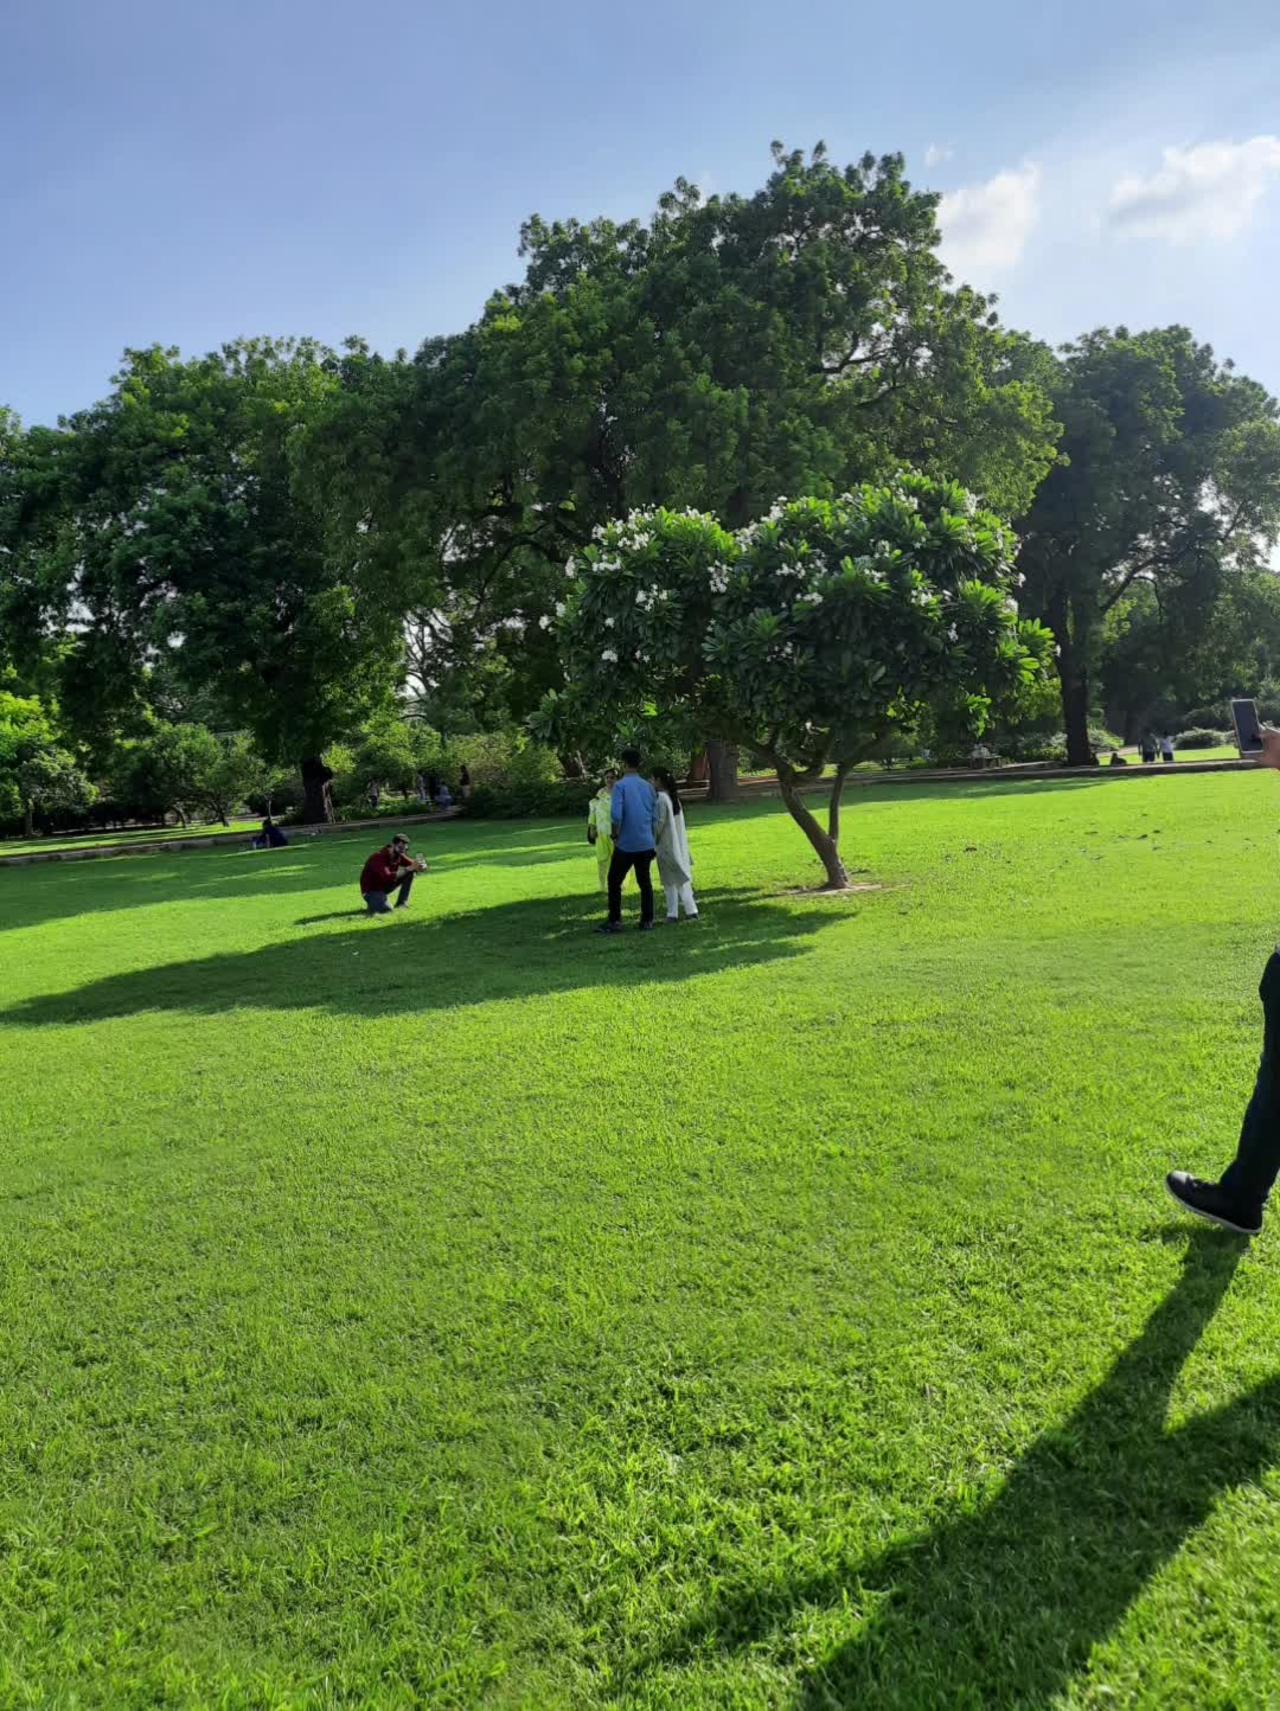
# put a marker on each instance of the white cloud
(936, 153)
(985, 227)
(1207, 192)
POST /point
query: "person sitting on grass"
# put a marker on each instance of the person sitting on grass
(1239, 1197)
(270, 837)
(387, 870)
(633, 826)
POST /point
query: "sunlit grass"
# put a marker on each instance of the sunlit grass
(461, 1309)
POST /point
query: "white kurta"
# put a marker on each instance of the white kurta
(675, 864)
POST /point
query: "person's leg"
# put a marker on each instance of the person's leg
(402, 895)
(689, 900)
(1239, 1199)
(1249, 1176)
(375, 903)
(643, 860)
(619, 867)
(672, 894)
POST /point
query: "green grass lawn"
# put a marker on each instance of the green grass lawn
(462, 1310)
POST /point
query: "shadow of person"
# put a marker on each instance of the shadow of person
(1002, 1607)
(416, 962)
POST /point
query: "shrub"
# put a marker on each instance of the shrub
(558, 798)
(505, 760)
(1210, 718)
(1200, 738)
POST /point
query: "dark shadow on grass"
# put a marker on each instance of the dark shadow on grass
(65, 890)
(1001, 1608)
(413, 962)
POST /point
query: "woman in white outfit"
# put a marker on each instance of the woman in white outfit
(675, 864)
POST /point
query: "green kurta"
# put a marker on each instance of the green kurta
(600, 815)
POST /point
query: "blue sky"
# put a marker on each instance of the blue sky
(186, 173)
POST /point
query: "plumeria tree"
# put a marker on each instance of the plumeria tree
(810, 638)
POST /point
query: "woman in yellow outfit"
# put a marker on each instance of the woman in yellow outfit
(600, 825)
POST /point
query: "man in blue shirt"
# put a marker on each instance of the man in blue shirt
(634, 811)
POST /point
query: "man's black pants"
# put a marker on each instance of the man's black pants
(621, 865)
(1250, 1175)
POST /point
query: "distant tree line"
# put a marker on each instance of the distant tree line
(236, 561)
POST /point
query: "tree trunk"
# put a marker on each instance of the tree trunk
(826, 847)
(1075, 718)
(1074, 682)
(699, 772)
(722, 762)
(833, 805)
(28, 819)
(317, 805)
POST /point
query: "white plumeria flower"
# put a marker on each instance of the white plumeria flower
(559, 608)
(608, 623)
(544, 623)
(609, 657)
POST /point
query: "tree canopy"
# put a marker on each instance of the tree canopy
(1169, 476)
(808, 637)
(162, 529)
(798, 340)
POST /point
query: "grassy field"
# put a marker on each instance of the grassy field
(461, 1310)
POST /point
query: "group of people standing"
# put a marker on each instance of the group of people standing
(432, 790)
(632, 822)
(1152, 746)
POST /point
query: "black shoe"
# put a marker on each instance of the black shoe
(646, 926)
(610, 927)
(1207, 1200)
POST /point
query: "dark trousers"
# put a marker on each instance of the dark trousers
(376, 901)
(1249, 1177)
(621, 865)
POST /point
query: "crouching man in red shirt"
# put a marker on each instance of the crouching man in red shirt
(389, 870)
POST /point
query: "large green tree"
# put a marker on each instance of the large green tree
(166, 529)
(798, 340)
(38, 773)
(1169, 478)
(809, 638)
(1167, 649)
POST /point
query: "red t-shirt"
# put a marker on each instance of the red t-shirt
(381, 872)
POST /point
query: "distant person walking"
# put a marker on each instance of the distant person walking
(1166, 751)
(1148, 750)
(1238, 1199)
(600, 826)
(389, 869)
(675, 864)
(633, 826)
